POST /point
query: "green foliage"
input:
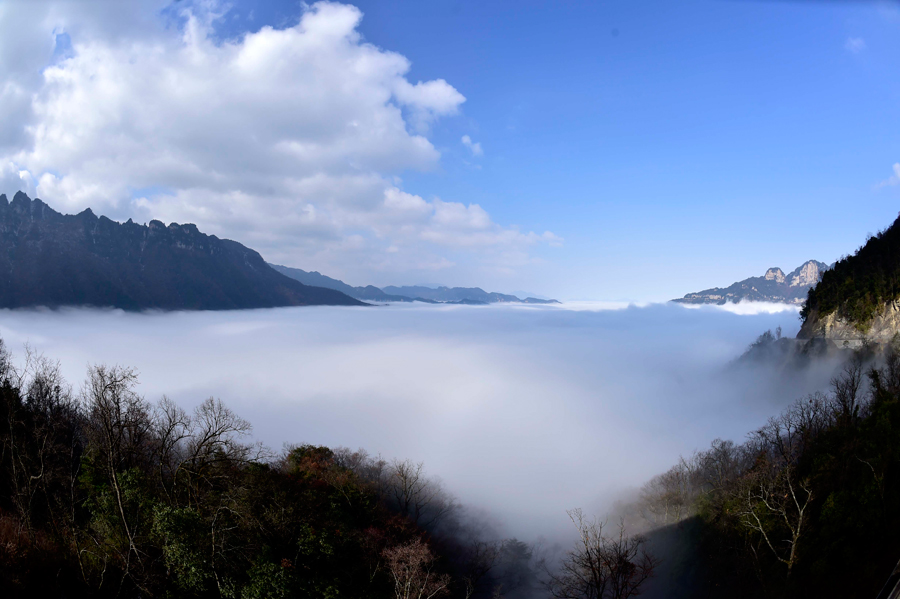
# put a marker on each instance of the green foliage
(184, 540)
(858, 285)
(267, 581)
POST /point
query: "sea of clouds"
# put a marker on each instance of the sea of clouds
(522, 411)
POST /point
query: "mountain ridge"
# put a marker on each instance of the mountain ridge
(52, 259)
(409, 293)
(773, 286)
(315, 278)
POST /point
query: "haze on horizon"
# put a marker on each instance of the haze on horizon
(623, 151)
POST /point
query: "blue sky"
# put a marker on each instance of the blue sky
(715, 137)
(660, 139)
(670, 146)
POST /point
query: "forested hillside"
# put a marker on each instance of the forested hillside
(805, 507)
(104, 494)
(857, 286)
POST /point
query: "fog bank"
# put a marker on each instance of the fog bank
(524, 411)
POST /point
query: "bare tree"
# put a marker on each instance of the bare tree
(846, 388)
(121, 428)
(412, 568)
(720, 465)
(369, 469)
(601, 566)
(774, 496)
(481, 557)
(197, 453)
(171, 427)
(40, 437)
(669, 498)
(772, 501)
(423, 500)
(214, 441)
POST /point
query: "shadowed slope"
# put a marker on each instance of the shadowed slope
(51, 259)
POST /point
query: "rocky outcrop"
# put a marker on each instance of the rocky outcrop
(880, 329)
(775, 274)
(807, 275)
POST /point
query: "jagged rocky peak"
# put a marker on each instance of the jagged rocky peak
(775, 274)
(808, 274)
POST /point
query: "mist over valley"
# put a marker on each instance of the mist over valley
(449, 300)
(523, 411)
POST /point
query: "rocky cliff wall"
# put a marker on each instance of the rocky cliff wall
(881, 329)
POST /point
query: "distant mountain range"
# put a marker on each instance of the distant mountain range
(774, 286)
(51, 259)
(444, 295)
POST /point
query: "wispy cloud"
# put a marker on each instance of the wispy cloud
(855, 45)
(893, 179)
(474, 147)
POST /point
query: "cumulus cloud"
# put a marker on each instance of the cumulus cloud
(474, 147)
(855, 45)
(410, 220)
(288, 139)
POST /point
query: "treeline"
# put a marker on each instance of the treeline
(858, 285)
(104, 494)
(805, 507)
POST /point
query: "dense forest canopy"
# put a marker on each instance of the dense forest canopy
(858, 285)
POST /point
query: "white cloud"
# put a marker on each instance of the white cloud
(893, 179)
(474, 147)
(453, 224)
(289, 140)
(855, 45)
(745, 308)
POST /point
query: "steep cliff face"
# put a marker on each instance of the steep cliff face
(773, 286)
(51, 259)
(808, 274)
(881, 328)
